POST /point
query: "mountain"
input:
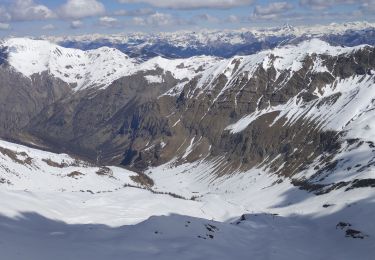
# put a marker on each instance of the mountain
(245, 154)
(224, 44)
(213, 107)
(85, 69)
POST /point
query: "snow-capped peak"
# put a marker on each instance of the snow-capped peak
(98, 67)
(92, 68)
(285, 58)
(204, 37)
(291, 56)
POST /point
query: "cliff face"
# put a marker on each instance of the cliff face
(23, 98)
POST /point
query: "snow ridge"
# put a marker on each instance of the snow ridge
(93, 68)
(287, 58)
(100, 67)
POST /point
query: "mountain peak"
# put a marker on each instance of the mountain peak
(84, 68)
(96, 68)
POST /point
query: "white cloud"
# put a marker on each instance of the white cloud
(4, 26)
(139, 21)
(272, 9)
(160, 19)
(323, 4)
(233, 19)
(368, 6)
(107, 21)
(4, 14)
(76, 24)
(78, 9)
(157, 19)
(24, 10)
(137, 12)
(192, 4)
(48, 27)
(206, 18)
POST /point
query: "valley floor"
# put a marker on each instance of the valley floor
(55, 207)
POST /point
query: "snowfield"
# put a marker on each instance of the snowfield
(54, 206)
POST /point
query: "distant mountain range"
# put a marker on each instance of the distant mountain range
(224, 44)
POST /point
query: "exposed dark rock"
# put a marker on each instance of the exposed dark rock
(343, 225)
(75, 174)
(354, 234)
(364, 183)
(3, 55)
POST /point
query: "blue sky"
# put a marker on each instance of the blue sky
(63, 17)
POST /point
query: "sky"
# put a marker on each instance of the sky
(72, 17)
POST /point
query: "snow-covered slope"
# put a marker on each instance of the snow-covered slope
(93, 68)
(56, 172)
(287, 58)
(75, 191)
(46, 209)
(83, 68)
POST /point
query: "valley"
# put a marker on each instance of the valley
(263, 156)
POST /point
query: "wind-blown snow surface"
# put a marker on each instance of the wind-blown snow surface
(57, 207)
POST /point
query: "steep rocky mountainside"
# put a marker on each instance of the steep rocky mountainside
(302, 111)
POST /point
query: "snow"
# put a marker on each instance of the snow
(85, 68)
(169, 237)
(189, 149)
(101, 67)
(245, 121)
(350, 109)
(180, 68)
(154, 79)
(351, 112)
(97, 68)
(287, 58)
(204, 37)
(291, 57)
(42, 215)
